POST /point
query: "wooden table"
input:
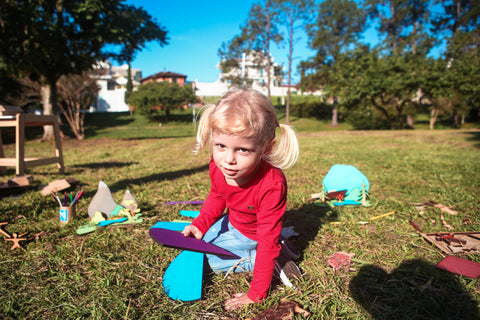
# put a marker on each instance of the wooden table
(19, 122)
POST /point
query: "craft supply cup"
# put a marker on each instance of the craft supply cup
(66, 213)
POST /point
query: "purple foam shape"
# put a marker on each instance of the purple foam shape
(185, 202)
(174, 239)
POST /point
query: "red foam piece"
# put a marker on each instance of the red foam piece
(460, 266)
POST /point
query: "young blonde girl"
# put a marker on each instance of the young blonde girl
(244, 210)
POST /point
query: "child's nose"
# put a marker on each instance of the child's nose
(230, 157)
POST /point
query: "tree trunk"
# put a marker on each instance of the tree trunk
(290, 59)
(267, 49)
(433, 117)
(49, 100)
(269, 66)
(385, 113)
(335, 113)
(410, 121)
(399, 109)
(455, 119)
(46, 94)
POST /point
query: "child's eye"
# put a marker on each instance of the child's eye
(219, 146)
(243, 150)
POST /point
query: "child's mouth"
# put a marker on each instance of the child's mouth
(229, 172)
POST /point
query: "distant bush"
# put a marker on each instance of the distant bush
(311, 109)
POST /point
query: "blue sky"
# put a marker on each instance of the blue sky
(197, 30)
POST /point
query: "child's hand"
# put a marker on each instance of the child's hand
(238, 300)
(192, 231)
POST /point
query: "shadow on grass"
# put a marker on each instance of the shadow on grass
(414, 290)
(98, 121)
(474, 136)
(307, 222)
(171, 175)
(186, 135)
(106, 165)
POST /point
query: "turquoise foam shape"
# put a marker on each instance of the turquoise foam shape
(183, 279)
(189, 213)
(345, 177)
(175, 226)
(105, 223)
(354, 195)
(116, 210)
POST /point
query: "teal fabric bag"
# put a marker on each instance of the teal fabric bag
(346, 177)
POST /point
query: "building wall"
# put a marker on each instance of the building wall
(112, 83)
(112, 101)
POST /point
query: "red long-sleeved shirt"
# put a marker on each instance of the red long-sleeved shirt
(256, 209)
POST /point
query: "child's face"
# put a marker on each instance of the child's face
(238, 158)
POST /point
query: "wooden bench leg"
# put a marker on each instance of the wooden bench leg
(3, 170)
(20, 145)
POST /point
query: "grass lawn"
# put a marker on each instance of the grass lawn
(116, 272)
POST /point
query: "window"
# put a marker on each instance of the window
(110, 85)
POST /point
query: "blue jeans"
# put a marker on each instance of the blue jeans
(224, 235)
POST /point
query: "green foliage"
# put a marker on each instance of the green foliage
(153, 98)
(386, 83)
(397, 78)
(312, 109)
(49, 38)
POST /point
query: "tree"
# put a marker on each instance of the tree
(257, 34)
(365, 78)
(76, 93)
(262, 30)
(391, 15)
(51, 38)
(417, 20)
(21, 92)
(337, 28)
(461, 23)
(154, 97)
(404, 25)
(292, 12)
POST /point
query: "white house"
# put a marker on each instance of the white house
(112, 81)
(249, 70)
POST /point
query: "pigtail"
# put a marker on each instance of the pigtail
(204, 129)
(286, 151)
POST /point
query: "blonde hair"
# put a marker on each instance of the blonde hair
(249, 114)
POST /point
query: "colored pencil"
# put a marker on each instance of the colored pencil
(77, 197)
(57, 199)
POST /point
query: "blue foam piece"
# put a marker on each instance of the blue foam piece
(175, 226)
(105, 223)
(189, 213)
(183, 279)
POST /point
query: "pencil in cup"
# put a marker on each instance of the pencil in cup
(67, 211)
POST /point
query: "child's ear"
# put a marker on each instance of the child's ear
(269, 147)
